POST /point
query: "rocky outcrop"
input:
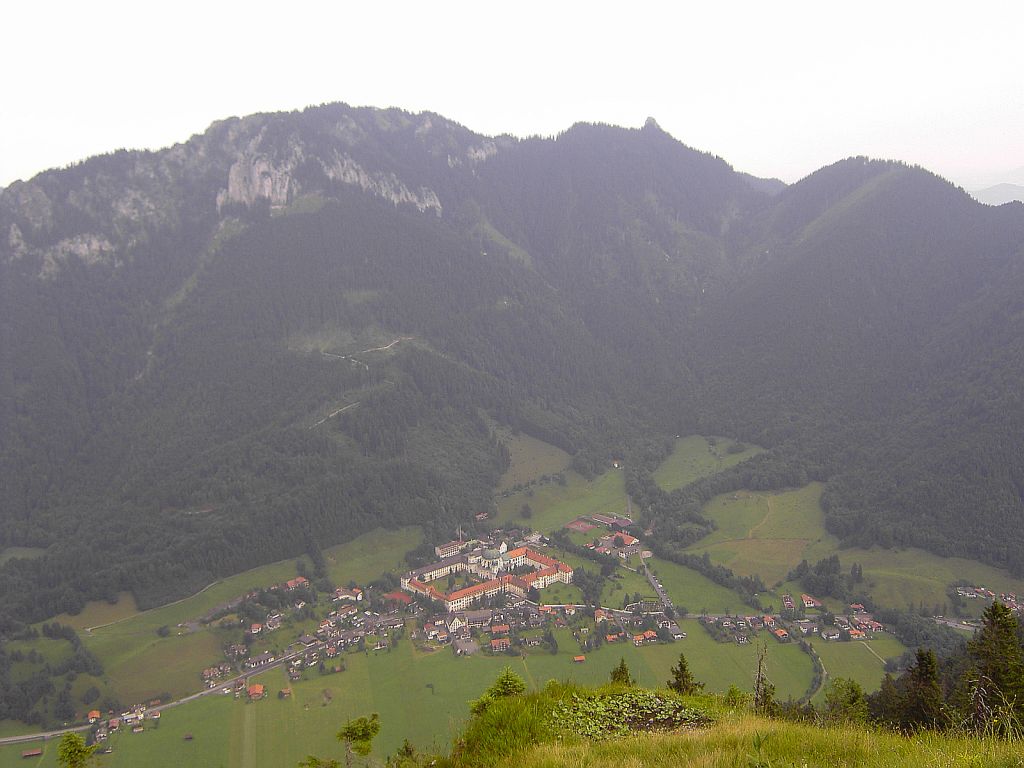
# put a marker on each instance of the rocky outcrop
(16, 242)
(87, 248)
(254, 176)
(386, 185)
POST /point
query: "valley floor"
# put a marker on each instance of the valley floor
(423, 696)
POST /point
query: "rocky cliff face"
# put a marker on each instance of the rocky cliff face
(254, 176)
(101, 211)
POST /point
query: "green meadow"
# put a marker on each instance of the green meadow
(554, 505)
(860, 660)
(695, 457)
(768, 533)
(420, 696)
(689, 589)
(729, 743)
(530, 459)
(624, 582)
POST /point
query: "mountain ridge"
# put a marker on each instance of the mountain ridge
(167, 316)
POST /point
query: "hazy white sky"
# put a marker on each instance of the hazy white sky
(776, 88)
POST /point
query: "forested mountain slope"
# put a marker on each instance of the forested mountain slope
(883, 329)
(290, 328)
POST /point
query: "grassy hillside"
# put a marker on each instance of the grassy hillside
(766, 533)
(694, 457)
(567, 726)
(554, 504)
(769, 532)
(530, 459)
(730, 743)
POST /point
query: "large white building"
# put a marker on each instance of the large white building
(493, 565)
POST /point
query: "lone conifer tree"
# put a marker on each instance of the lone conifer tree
(682, 680)
(620, 674)
(999, 659)
(922, 700)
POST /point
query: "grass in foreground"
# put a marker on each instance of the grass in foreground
(730, 743)
(564, 725)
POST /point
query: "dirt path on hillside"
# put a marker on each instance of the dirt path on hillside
(352, 357)
(332, 414)
(873, 651)
(752, 531)
(386, 347)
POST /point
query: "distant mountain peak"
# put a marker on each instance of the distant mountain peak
(999, 194)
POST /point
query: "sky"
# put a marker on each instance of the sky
(778, 89)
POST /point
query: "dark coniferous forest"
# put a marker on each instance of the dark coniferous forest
(178, 327)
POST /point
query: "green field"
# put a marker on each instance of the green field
(909, 577)
(695, 457)
(420, 696)
(857, 660)
(555, 505)
(98, 613)
(623, 582)
(689, 589)
(766, 533)
(531, 459)
(372, 554)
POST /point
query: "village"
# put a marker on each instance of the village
(482, 595)
(971, 592)
(492, 606)
(804, 619)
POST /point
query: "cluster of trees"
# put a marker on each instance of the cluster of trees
(40, 693)
(826, 578)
